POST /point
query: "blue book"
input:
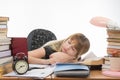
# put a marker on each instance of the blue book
(71, 70)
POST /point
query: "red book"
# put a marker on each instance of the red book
(19, 45)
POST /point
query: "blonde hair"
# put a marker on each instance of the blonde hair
(82, 43)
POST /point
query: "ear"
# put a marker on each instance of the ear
(100, 21)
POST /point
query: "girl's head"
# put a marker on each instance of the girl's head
(76, 45)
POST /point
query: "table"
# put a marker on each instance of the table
(94, 75)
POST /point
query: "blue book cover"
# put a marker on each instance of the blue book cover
(70, 66)
(71, 70)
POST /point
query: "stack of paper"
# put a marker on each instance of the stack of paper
(35, 73)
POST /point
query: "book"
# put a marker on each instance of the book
(113, 31)
(5, 53)
(5, 60)
(107, 57)
(4, 22)
(93, 61)
(71, 70)
(5, 43)
(106, 61)
(19, 44)
(4, 47)
(3, 30)
(114, 36)
(113, 39)
(3, 26)
(114, 43)
(3, 33)
(4, 19)
(113, 47)
(105, 67)
(5, 38)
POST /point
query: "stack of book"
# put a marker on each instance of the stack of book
(113, 41)
(5, 42)
(113, 51)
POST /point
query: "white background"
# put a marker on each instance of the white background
(62, 17)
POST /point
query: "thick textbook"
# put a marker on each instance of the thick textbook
(71, 70)
(19, 44)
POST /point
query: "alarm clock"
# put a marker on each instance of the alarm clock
(20, 63)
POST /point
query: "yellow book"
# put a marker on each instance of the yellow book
(4, 19)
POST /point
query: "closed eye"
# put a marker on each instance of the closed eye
(69, 42)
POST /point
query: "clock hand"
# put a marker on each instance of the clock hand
(21, 66)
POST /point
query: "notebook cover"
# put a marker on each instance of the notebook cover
(19, 45)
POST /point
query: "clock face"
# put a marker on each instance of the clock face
(21, 66)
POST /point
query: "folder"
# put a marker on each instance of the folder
(71, 70)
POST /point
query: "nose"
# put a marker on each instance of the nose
(69, 47)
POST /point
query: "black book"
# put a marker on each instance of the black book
(71, 70)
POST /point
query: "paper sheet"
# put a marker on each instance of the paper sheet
(35, 73)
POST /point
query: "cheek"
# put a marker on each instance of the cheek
(64, 45)
(72, 53)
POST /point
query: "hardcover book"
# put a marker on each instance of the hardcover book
(19, 45)
(71, 70)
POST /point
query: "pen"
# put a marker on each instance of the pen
(36, 68)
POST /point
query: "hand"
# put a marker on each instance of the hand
(60, 57)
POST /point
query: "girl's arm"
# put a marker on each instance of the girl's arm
(60, 57)
(34, 60)
(35, 55)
